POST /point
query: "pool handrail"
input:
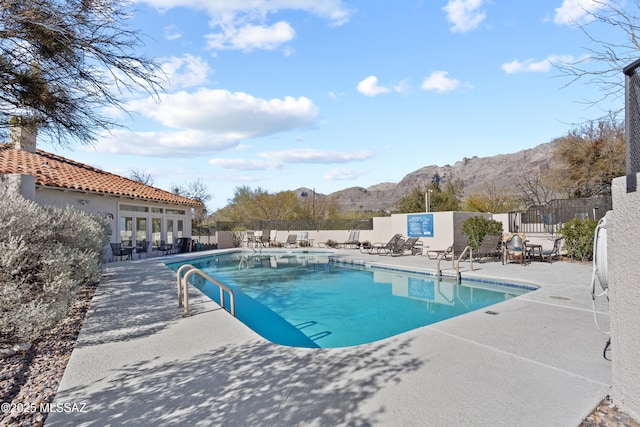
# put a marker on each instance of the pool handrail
(179, 279)
(183, 290)
(455, 264)
(458, 276)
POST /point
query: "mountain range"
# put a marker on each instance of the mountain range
(477, 173)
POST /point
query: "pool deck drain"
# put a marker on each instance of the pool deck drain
(138, 361)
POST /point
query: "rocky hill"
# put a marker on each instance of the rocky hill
(503, 170)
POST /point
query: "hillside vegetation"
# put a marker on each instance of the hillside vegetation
(579, 164)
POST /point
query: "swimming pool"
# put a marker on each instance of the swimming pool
(306, 300)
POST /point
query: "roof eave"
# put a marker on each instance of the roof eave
(194, 203)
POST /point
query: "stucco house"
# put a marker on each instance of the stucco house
(137, 211)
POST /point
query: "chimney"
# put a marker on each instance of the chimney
(23, 137)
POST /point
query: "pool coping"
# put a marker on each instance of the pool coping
(538, 361)
(376, 266)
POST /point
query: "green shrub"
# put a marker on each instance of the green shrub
(477, 227)
(46, 255)
(578, 238)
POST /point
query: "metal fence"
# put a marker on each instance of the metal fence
(632, 116)
(549, 218)
(302, 224)
(204, 235)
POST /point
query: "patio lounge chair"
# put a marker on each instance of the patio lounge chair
(515, 248)
(548, 254)
(380, 247)
(292, 241)
(393, 248)
(249, 239)
(304, 240)
(458, 246)
(264, 239)
(410, 245)
(352, 240)
(490, 247)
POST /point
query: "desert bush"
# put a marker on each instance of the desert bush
(46, 255)
(477, 227)
(331, 243)
(578, 238)
(238, 235)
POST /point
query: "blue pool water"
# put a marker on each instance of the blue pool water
(304, 300)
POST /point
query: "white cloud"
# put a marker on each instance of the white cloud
(577, 11)
(439, 82)
(279, 159)
(223, 112)
(310, 155)
(186, 71)
(171, 33)
(185, 143)
(464, 14)
(369, 87)
(401, 87)
(243, 24)
(249, 37)
(344, 174)
(531, 66)
(208, 121)
(333, 10)
(243, 164)
(528, 66)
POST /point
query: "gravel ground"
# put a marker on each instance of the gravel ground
(608, 415)
(32, 377)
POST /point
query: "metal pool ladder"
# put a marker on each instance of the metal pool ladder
(455, 264)
(183, 283)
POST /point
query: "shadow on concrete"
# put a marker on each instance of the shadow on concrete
(128, 306)
(255, 383)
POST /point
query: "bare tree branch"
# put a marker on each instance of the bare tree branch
(63, 61)
(142, 176)
(605, 58)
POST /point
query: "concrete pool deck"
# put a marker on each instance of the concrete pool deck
(537, 362)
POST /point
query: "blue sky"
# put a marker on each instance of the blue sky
(331, 94)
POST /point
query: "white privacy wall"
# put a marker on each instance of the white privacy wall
(623, 259)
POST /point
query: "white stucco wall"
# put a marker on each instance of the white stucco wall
(623, 235)
(385, 227)
(61, 199)
(442, 229)
(504, 219)
(110, 206)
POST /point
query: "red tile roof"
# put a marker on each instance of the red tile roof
(55, 171)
